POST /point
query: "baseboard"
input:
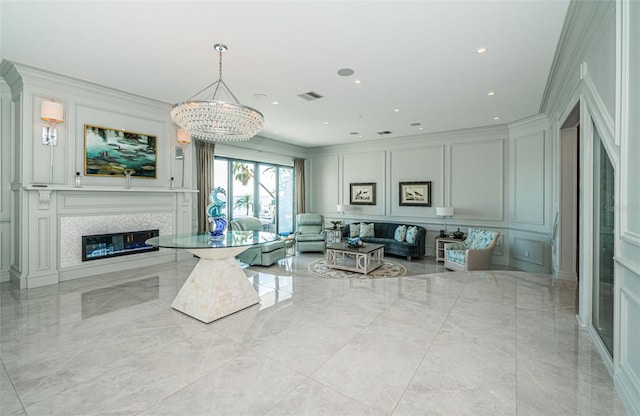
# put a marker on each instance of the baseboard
(31, 282)
(567, 276)
(628, 389)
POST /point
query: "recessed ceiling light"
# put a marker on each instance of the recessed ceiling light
(275, 131)
(345, 72)
(359, 137)
(491, 93)
(480, 51)
(326, 122)
(496, 118)
(397, 110)
(275, 102)
(420, 128)
(358, 81)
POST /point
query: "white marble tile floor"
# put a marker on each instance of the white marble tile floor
(431, 343)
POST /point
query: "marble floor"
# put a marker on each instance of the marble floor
(430, 343)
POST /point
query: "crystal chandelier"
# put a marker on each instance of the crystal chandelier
(217, 120)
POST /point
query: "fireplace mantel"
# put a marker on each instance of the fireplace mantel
(83, 188)
(59, 215)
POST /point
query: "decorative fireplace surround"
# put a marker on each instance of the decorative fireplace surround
(73, 228)
(39, 211)
(60, 215)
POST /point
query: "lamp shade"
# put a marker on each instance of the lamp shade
(51, 112)
(184, 138)
(444, 211)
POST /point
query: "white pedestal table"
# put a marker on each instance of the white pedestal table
(217, 286)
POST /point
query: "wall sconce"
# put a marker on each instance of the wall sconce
(183, 140)
(444, 212)
(52, 113)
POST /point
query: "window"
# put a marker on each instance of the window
(254, 189)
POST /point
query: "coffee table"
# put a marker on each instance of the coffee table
(361, 259)
(217, 286)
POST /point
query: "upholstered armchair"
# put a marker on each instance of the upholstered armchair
(263, 254)
(310, 235)
(474, 253)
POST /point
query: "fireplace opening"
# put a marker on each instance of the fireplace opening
(103, 246)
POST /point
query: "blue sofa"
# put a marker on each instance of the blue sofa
(384, 233)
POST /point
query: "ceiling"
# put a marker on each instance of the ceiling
(417, 57)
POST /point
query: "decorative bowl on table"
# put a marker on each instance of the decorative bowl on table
(354, 242)
(458, 234)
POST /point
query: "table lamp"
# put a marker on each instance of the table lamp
(444, 212)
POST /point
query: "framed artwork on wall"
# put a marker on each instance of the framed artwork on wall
(415, 194)
(109, 152)
(362, 193)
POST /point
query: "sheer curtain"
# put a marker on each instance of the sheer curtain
(298, 164)
(205, 152)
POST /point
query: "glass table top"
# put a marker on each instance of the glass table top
(228, 239)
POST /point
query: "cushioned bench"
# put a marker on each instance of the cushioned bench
(384, 233)
(262, 254)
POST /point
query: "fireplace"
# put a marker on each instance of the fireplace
(103, 246)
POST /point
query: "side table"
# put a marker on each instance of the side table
(290, 245)
(334, 235)
(440, 242)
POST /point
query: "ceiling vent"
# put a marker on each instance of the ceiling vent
(310, 96)
(384, 132)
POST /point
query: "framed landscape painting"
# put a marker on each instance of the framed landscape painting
(362, 193)
(416, 194)
(109, 152)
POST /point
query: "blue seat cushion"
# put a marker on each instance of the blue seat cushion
(455, 256)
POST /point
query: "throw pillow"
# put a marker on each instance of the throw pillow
(366, 230)
(412, 233)
(354, 230)
(401, 233)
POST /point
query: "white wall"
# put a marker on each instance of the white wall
(596, 65)
(468, 169)
(40, 209)
(5, 182)
(627, 374)
(531, 221)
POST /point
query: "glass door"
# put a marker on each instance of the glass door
(603, 228)
(261, 190)
(243, 192)
(267, 196)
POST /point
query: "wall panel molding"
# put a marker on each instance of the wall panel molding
(477, 189)
(529, 250)
(529, 179)
(425, 163)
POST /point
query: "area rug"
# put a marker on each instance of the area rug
(388, 269)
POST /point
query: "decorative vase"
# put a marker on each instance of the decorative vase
(458, 234)
(218, 200)
(218, 225)
(127, 178)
